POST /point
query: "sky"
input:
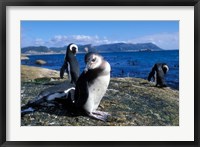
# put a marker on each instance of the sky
(164, 34)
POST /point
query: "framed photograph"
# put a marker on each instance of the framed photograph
(103, 73)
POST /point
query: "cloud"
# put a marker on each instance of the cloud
(58, 38)
(62, 40)
(84, 39)
(39, 42)
(163, 40)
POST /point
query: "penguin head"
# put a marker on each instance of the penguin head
(72, 48)
(93, 61)
(165, 68)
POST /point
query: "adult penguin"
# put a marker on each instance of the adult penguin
(158, 73)
(92, 85)
(71, 64)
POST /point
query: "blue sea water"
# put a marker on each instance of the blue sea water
(123, 64)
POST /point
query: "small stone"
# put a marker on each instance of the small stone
(40, 62)
(24, 57)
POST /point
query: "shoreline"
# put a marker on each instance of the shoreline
(98, 52)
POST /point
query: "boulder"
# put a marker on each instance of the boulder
(40, 62)
(24, 57)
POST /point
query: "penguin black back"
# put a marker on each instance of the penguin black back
(158, 73)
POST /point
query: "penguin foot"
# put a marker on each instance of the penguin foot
(103, 116)
(101, 113)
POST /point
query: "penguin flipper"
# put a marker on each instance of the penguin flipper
(63, 69)
(81, 92)
(152, 73)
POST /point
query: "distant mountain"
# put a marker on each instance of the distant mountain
(124, 47)
(115, 47)
(35, 49)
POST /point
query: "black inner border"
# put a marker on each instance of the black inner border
(5, 3)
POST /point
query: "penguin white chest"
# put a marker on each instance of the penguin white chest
(96, 92)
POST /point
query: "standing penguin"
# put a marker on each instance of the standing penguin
(158, 73)
(71, 64)
(92, 85)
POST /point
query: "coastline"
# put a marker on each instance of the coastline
(55, 53)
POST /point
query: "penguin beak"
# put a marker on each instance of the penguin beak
(75, 51)
(87, 67)
(85, 70)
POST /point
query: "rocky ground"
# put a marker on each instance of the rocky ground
(130, 101)
(31, 73)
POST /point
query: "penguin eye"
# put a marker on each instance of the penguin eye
(73, 46)
(94, 59)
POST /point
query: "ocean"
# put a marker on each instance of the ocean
(123, 64)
